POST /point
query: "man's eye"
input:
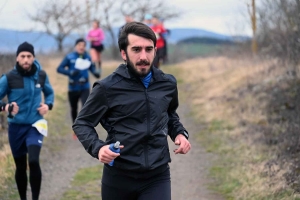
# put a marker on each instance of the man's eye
(135, 50)
(148, 50)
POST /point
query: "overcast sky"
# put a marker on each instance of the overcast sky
(221, 16)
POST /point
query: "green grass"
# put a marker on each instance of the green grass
(178, 53)
(85, 185)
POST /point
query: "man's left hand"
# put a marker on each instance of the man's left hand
(184, 145)
(43, 109)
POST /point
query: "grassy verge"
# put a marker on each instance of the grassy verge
(231, 115)
(85, 185)
(7, 168)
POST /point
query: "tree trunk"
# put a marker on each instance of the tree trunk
(253, 22)
(297, 40)
(59, 41)
(114, 49)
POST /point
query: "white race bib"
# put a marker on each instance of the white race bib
(82, 64)
(42, 126)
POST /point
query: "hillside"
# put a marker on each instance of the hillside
(10, 39)
(205, 40)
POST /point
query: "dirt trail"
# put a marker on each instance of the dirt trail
(189, 172)
(59, 167)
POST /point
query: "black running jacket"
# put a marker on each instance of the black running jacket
(140, 118)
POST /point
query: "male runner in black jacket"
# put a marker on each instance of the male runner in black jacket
(137, 106)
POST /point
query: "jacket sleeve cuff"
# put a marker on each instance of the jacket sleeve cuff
(96, 149)
(50, 105)
(2, 106)
(186, 134)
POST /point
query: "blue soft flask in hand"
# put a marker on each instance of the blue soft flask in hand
(115, 147)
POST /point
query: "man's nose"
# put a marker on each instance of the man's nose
(143, 55)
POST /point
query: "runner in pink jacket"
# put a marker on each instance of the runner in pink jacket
(96, 37)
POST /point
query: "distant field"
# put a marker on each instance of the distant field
(180, 52)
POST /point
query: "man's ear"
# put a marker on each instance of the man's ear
(155, 50)
(123, 54)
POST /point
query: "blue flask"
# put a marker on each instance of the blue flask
(114, 147)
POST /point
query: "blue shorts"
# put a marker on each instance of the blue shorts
(21, 136)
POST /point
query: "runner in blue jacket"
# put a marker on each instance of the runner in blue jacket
(76, 66)
(24, 86)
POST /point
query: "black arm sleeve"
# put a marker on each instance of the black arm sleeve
(89, 117)
(174, 125)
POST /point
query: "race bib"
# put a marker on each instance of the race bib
(42, 126)
(82, 64)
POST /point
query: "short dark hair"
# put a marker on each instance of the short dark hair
(136, 28)
(80, 40)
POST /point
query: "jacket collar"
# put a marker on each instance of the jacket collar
(80, 55)
(36, 64)
(123, 71)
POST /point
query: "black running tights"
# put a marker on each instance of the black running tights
(35, 174)
(74, 97)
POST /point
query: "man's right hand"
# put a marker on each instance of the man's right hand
(15, 108)
(106, 155)
(74, 72)
(97, 74)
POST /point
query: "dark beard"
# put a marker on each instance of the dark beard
(24, 72)
(133, 71)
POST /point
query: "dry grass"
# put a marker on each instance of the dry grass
(218, 90)
(5, 157)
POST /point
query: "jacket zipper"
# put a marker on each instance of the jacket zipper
(148, 129)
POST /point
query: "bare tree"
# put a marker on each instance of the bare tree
(138, 9)
(60, 18)
(279, 29)
(108, 8)
(252, 14)
(111, 12)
